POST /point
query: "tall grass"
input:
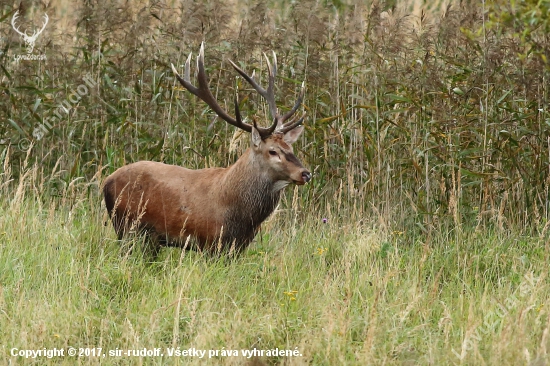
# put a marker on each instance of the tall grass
(339, 293)
(443, 114)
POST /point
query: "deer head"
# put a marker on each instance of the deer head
(29, 40)
(271, 146)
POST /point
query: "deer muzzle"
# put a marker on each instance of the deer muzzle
(305, 177)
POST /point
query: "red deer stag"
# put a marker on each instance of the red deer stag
(221, 208)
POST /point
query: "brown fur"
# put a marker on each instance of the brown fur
(214, 205)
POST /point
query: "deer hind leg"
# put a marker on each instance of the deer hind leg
(124, 217)
(111, 204)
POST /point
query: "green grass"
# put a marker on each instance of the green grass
(340, 293)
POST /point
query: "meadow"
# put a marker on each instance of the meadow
(421, 239)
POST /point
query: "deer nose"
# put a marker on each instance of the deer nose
(306, 176)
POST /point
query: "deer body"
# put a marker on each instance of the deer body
(175, 202)
(215, 205)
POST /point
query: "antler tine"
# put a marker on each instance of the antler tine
(13, 19)
(296, 105)
(270, 98)
(201, 76)
(274, 63)
(44, 25)
(270, 94)
(204, 93)
(293, 124)
(237, 111)
(186, 71)
(185, 81)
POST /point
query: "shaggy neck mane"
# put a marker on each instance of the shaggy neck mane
(250, 195)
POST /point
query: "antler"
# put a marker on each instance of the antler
(204, 93)
(13, 19)
(36, 33)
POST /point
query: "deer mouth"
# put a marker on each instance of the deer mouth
(306, 177)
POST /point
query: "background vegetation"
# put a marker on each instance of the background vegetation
(427, 131)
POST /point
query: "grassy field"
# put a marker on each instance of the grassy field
(421, 239)
(339, 292)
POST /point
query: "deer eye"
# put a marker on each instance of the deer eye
(273, 153)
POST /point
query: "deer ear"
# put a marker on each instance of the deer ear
(255, 137)
(292, 135)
